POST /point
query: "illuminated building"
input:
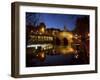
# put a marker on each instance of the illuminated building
(43, 35)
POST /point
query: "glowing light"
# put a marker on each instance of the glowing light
(70, 36)
(76, 37)
(71, 49)
(88, 34)
(66, 34)
(76, 56)
(42, 55)
(42, 30)
(31, 31)
(65, 50)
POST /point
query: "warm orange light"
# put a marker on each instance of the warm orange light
(76, 37)
(42, 30)
(71, 49)
(88, 34)
(66, 34)
(70, 36)
(42, 55)
(65, 50)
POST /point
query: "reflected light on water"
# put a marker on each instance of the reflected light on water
(65, 50)
(41, 56)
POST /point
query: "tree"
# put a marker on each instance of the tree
(82, 25)
(32, 19)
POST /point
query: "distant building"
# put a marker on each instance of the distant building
(41, 34)
(53, 31)
(42, 28)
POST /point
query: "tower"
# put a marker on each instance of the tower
(65, 28)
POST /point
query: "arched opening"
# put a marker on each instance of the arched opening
(57, 41)
(65, 42)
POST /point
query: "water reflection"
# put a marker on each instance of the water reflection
(51, 55)
(50, 49)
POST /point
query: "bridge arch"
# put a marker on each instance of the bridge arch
(65, 38)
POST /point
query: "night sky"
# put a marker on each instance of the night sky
(54, 20)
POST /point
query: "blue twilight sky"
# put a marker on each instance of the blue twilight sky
(54, 20)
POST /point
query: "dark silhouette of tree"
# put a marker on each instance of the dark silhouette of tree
(82, 25)
(42, 24)
(82, 28)
(32, 19)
